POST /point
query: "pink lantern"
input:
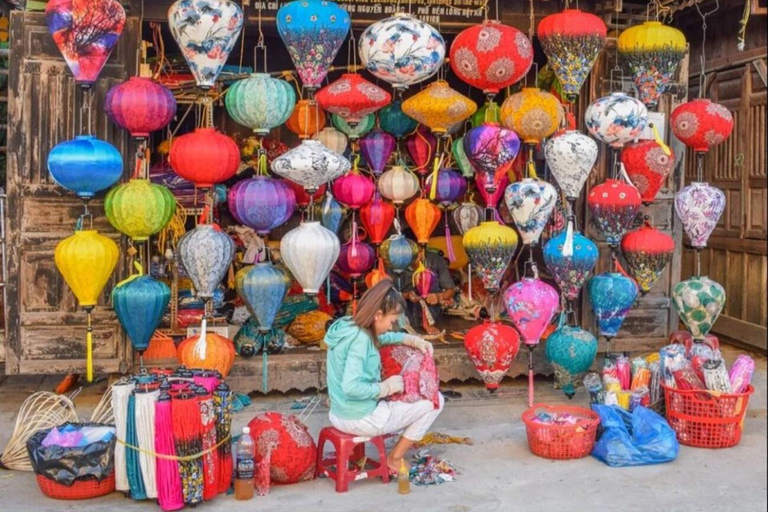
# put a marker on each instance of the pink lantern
(353, 190)
(531, 304)
(421, 146)
(491, 197)
(356, 258)
(422, 280)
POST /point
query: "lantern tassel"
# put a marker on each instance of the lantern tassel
(623, 174)
(568, 245)
(659, 140)
(264, 366)
(354, 232)
(469, 281)
(89, 350)
(200, 345)
(433, 188)
(532, 170)
(449, 240)
(328, 287)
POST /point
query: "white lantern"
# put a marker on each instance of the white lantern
(570, 157)
(332, 139)
(310, 251)
(467, 215)
(398, 185)
(616, 119)
(310, 165)
(530, 202)
(206, 253)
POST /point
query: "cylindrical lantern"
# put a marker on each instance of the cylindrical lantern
(570, 272)
(377, 217)
(531, 305)
(352, 97)
(263, 289)
(376, 147)
(492, 347)
(85, 165)
(647, 164)
(306, 119)
(205, 157)
(491, 149)
(394, 121)
(533, 114)
(260, 102)
(262, 203)
(698, 301)
(398, 252)
(438, 107)
(422, 216)
(570, 157)
(356, 258)
(310, 251)
(206, 253)
(353, 190)
(612, 295)
(616, 119)
(613, 206)
(310, 165)
(421, 146)
(571, 351)
(701, 124)
(139, 208)
(140, 303)
(490, 247)
(332, 139)
(647, 251)
(398, 184)
(530, 203)
(699, 207)
(140, 106)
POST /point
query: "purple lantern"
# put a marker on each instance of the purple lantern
(491, 150)
(376, 147)
(451, 185)
(699, 206)
(262, 203)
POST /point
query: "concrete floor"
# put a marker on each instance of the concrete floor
(498, 473)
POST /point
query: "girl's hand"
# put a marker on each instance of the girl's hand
(391, 386)
(419, 344)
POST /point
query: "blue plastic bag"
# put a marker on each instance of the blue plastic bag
(634, 439)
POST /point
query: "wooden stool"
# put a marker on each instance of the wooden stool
(350, 449)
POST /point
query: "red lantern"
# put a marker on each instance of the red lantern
(140, 106)
(485, 183)
(421, 146)
(492, 347)
(286, 441)
(647, 251)
(648, 164)
(423, 217)
(701, 124)
(377, 217)
(205, 157)
(353, 190)
(352, 97)
(302, 196)
(491, 56)
(355, 257)
(614, 206)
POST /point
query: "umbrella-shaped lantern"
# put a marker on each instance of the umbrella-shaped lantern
(571, 350)
(647, 251)
(492, 347)
(699, 207)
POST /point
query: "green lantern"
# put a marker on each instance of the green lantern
(698, 301)
(457, 148)
(357, 131)
(260, 102)
(139, 208)
(488, 113)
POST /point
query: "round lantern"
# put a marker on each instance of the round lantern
(647, 251)
(356, 258)
(260, 102)
(467, 216)
(698, 301)
(457, 149)
(530, 203)
(303, 198)
(310, 251)
(571, 351)
(490, 247)
(398, 252)
(377, 217)
(616, 119)
(85, 165)
(491, 191)
(699, 207)
(531, 305)
(139, 208)
(570, 157)
(332, 139)
(287, 444)
(438, 107)
(488, 113)
(421, 146)
(86, 260)
(570, 272)
(398, 184)
(491, 56)
(306, 119)
(492, 347)
(261, 203)
(491, 149)
(140, 303)
(647, 164)
(401, 50)
(376, 147)
(422, 216)
(394, 121)
(310, 165)
(356, 131)
(140, 106)
(532, 113)
(205, 253)
(571, 40)
(331, 213)
(612, 295)
(613, 206)
(450, 186)
(353, 190)
(207, 351)
(701, 124)
(352, 97)
(263, 289)
(204, 157)
(312, 31)
(652, 50)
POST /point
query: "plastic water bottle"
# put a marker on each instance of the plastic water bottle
(246, 452)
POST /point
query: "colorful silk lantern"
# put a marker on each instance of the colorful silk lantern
(354, 132)
(401, 50)
(205, 253)
(310, 251)
(312, 31)
(332, 139)
(394, 121)
(353, 190)
(652, 50)
(139, 208)
(306, 119)
(530, 203)
(376, 147)
(489, 112)
(206, 31)
(647, 164)
(421, 146)
(422, 216)
(612, 295)
(531, 305)
(85, 33)
(616, 119)
(613, 206)
(331, 213)
(310, 165)
(699, 207)
(467, 216)
(647, 251)
(423, 278)
(377, 217)
(356, 258)
(263, 289)
(570, 157)
(571, 351)
(701, 124)
(304, 198)
(491, 191)
(490, 247)
(571, 40)
(207, 351)
(438, 107)
(140, 106)
(260, 102)
(398, 184)
(698, 301)
(205, 157)
(570, 272)
(492, 347)
(532, 113)
(491, 149)
(352, 97)
(261, 203)
(450, 186)
(398, 252)
(457, 149)
(140, 303)
(85, 165)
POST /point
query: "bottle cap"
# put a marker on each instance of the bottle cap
(246, 430)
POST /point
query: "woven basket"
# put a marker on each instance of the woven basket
(81, 489)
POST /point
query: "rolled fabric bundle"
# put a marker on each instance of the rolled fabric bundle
(121, 390)
(133, 467)
(187, 439)
(716, 376)
(169, 494)
(145, 432)
(741, 373)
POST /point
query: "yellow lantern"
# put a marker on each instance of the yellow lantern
(439, 107)
(490, 247)
(139, 208)
(87, 260)
(532, 113)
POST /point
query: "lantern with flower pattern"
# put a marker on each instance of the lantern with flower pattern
(647, 251)
(398, 185)
(352, 98)
(571, 351)
(490, 247)
(701, 124)
(570, 271)
(530, 203)
(438, 107)
(699, 207)
(570, 157)
(532, 113)
(647, 164)
(307, 119)
(613, 206)
(492, 346)
(616, 119)
(611, 295)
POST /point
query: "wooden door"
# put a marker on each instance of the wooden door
(46, 329)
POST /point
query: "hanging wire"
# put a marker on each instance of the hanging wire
(703, 59)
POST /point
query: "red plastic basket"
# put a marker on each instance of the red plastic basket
(81, 489)
(705, 420)
(561, 441)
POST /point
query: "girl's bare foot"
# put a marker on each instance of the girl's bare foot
(432, 330)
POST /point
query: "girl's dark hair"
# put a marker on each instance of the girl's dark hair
(384, 297)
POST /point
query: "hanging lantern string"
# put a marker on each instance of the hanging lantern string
(703, 58)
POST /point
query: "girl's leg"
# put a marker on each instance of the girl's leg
(419, 417)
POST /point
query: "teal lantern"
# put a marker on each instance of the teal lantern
(354, 132)
(612, 295)
(140, 303)
(263, 288)
(394, 121)
(260, 102)
(571, 350)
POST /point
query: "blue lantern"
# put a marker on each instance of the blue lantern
(140, 303)
(249, 340)
(85, 165)
(612, 295)
(263, 289)
(570, 272)
(331, 213)
(398, 252)
(571, 350)
(394, 121)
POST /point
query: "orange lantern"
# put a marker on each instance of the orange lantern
(423, 217)
(307, 119)
(213, 352)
